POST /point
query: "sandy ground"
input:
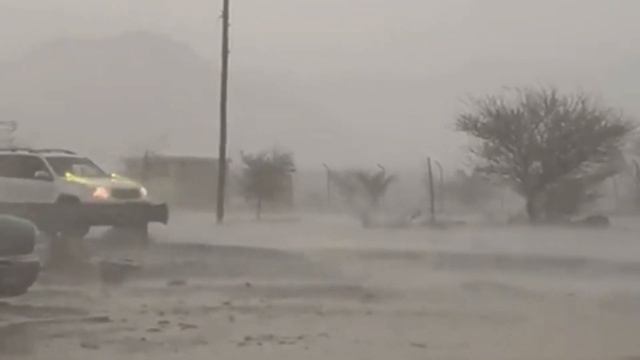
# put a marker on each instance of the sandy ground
(323, 288)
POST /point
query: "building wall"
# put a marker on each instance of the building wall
(191, 182)
(186, 182)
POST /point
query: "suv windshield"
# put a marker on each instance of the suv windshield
(76, 166)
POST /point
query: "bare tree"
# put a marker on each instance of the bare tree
(538, 139)
(265, 176)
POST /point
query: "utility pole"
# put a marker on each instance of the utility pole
(145, 167)
(441, 186)
(432, 195)
(224, 79)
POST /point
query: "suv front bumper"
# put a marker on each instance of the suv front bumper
(58, 217)
(122, 214)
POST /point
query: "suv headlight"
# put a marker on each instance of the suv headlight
(144, 192)
(101, 193)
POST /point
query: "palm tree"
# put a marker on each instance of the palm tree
(362, 190)
(374, 184)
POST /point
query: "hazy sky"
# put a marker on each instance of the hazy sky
(381, 80)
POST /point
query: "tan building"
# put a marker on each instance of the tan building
(183, 181)
(190, 182)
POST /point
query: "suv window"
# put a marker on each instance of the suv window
(21, 166)
(75, 165)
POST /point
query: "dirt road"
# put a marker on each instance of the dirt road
(305, 290)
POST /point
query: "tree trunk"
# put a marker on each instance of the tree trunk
(375, 201)
(532, 212)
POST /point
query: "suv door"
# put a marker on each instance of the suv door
(18, 181)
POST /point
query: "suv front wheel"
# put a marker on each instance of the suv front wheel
(129, 235)
(73, 227)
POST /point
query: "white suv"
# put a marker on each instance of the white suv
(62, 191)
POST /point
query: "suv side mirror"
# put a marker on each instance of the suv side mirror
(42, 175)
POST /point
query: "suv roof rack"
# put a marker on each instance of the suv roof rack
(16, 149)
(37, 151)
(64, 151)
